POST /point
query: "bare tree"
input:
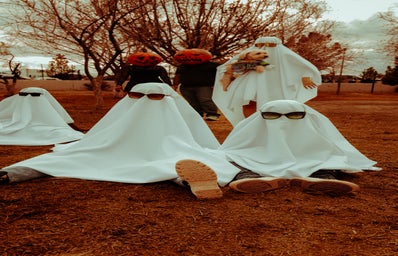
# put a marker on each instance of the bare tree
(220, 26)
(104, 31)
(14, 68)
(318, 48)
(87, 29)
(392, 30)
(299, 17)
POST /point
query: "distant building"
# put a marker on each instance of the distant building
(33, 73)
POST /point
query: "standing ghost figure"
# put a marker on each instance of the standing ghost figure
(140, 140)
(288, 139)
(34, 117)
(288, 76)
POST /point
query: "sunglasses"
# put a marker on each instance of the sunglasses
(33, 94)
(266, 44)
(151, 96)
(275, 115)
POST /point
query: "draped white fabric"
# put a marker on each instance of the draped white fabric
(40, 120)
(138, 141)
(292, 148)
(281, 81)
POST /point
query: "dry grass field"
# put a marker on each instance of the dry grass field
(53, 216)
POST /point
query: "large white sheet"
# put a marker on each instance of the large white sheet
(138, 141)
(282, 81)
(33, 121)
(292, 148)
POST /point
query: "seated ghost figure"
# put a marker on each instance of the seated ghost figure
(289, 143)
(34, 117)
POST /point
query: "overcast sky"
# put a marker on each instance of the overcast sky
(349, 10)
(359, 30)
(362, 31)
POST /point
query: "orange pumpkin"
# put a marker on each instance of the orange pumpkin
(144, 59)
(192, 56)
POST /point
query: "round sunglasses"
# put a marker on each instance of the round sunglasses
(151, 96)
(274, 115)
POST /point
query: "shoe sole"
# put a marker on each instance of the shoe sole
(201, 178)
(257, 185)
(325, 186)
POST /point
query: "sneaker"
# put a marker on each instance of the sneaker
(212, 118)
(325, 186)
(256, 185)
(201, 179)
(325, 174)
(246, 174)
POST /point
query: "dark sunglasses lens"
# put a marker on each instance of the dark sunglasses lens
(155, 96)
(270, 115)
(295, 115)
(33, 94)
(136, 95)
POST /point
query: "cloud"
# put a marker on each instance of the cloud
(365, 40)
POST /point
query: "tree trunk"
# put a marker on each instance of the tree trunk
(373, 86)
(99, 99)
(9, 87)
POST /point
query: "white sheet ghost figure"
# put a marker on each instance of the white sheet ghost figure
(139, 140)
(34, 117)
(282, 79)
(286, 138)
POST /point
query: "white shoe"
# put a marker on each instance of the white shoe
(325, 186)
(201, 178)
(257, 185)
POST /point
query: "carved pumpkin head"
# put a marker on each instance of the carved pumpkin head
(192, 56)
(144, 59)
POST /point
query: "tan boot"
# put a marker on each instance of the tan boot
(201, 179)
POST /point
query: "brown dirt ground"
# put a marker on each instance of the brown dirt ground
(53, 216)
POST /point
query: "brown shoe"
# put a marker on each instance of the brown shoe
(325, 186)
(201, 179)
(257, 185)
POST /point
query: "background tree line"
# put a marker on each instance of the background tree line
(104, 32)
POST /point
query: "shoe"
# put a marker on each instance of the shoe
(180, 182)
(325, 186)
(4, 179)
(201, 179)
(212, 118)
(246, 174)
(257, 185)
(325, 174)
